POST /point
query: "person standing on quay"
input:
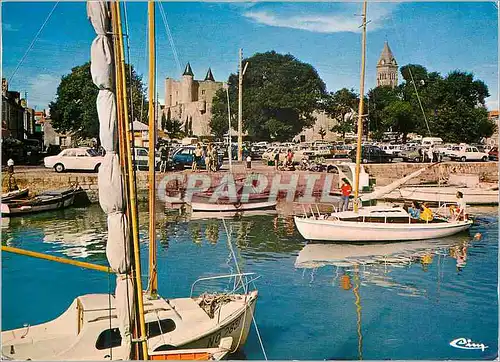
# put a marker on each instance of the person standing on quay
(346, 191)
(214, 158)
(430, 153)
(208, 158)
(198, 152)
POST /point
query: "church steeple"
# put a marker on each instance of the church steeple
(386, 57)
(188, 70)
(387, 68)
(209, 75)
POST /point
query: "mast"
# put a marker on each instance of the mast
(240, 106)
(129, 178)
(360, 109)
(153, 275)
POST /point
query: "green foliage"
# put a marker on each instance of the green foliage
(75, 111)
(400, 117)
(279, 95)
(337, 105)
(378, 99)
(219, 122)
(454, 106)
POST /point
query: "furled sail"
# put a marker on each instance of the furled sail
(111, 197)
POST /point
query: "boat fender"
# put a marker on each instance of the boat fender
(478, 236)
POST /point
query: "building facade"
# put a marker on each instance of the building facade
(323, 122)
(190, 101)
(387, 68)
(18, 120)
(493, 140)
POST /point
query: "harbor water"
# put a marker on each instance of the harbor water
(316, 301)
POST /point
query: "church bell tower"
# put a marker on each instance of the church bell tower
(387, 68)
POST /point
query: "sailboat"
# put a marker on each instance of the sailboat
(374, 223)
(132, 323)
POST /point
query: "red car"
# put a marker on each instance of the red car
(493, 154)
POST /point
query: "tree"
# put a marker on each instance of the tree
(280, 94)
(219, 121)
(74, 109)
(399, 116)
(338, 106)
(322, 133)
(451, 107)
(378, 99)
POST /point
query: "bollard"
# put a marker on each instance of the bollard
(10, 165)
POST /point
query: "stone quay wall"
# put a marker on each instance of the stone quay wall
(42, 180)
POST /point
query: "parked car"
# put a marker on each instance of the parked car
(371, 154)
(141, 158)
(493, 154)
(183, 157)
(467, 153)
(394, 150)
(74, 159)
(412, 155)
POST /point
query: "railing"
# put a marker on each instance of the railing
(240, 281)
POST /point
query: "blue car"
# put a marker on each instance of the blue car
(183, 157)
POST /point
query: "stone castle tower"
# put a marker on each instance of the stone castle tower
(190, 101)
(387, 68)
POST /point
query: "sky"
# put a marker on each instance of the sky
(442, 36)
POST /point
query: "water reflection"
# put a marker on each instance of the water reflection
(376, 261)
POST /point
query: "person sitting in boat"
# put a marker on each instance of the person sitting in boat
(426, 213)
(346, 191)
(414, 210)
(457, 211)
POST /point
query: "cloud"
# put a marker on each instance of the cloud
(8, 27)
(342, 20)
(42, 90)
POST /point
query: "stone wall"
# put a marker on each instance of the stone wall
(388, 172)
(42, 180)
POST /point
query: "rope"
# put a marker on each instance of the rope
(33, 42)
(170, 37)
(245, 289)
(412, 80)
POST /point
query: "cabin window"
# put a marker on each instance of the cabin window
(110, 338)
(158, 328)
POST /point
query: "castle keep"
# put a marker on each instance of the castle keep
(190, 100)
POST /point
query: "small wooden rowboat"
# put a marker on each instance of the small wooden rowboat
(254, 202)
(49, 200)
(15, 195)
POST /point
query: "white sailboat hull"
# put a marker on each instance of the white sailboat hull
(75, 335)
(472, 196)
(338, 230)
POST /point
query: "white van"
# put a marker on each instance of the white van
(431, 141)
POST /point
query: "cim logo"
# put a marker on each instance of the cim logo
(465, 343)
